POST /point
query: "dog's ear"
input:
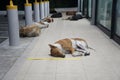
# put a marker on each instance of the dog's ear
(52, 46)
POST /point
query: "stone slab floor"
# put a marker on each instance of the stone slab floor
(102, 64)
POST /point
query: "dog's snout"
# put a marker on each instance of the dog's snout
(63, 56)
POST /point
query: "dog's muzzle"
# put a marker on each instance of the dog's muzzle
(63, 56)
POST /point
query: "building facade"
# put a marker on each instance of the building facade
(105, 14)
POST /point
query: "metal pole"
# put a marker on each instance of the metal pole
(13, 24)
(28, 13)
(36, 11)
(42, 9)
(48, 7)
(45, 7)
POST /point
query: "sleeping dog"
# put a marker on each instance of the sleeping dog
(33, 30)
(65, 46)
(74, 17)
(30, 31)
(48, 19)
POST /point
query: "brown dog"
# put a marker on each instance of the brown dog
(34, 29)
(30, 31)
(70, 12)
(61, 47)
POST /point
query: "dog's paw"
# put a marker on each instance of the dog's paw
(75, 55)
(86, 54)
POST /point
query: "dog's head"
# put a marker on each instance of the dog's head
(55, 51)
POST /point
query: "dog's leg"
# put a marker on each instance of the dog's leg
(83, 51)
(76, 53)
(82, 47)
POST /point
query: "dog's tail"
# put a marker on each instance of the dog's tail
(91, 48)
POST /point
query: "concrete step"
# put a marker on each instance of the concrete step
(3, 33)
(3, 25)
(3, 28)
(3, 19)
(2, 39)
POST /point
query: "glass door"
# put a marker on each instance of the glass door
(118, 18)
(116, 27)
(104, 13)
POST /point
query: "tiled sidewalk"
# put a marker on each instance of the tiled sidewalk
(9, 55)
(102, 64)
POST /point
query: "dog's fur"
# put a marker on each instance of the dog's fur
(70, 12)
(30, 31)
(74, 17)
(34, 29)
(61, 47)
(56, 15)
(48, 19)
